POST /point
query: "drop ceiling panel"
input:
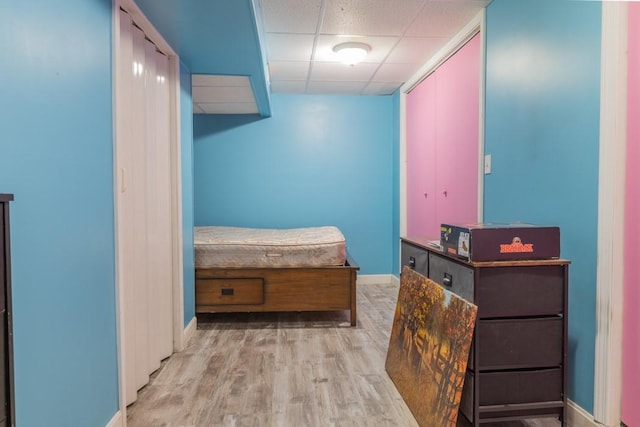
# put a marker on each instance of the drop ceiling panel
(288, 70)
(403, 35)
(289, 86)
(335, 87)
(291, 16)
(219, 80)
(341, 72)
(382, 88)
(290, 47)
(395, 72)
(415, 50)
(228, 108)
(380, 47)
(222, 94)
(366, 17)
(443, 18)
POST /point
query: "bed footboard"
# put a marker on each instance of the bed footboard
(224, 290)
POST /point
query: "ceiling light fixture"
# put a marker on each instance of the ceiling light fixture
(351, 53)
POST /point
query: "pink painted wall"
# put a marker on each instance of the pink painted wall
(442, 117)
(631, 316)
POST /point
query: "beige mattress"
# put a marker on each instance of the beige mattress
(217, 246)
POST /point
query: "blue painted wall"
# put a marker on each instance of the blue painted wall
(318, 160)
(186, 136)
(56, 156)
(542, 130)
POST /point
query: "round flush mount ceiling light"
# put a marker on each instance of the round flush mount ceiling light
(351, 53)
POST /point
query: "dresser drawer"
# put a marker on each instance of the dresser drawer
(454, 277)
(520, 291)
(229, 291)
(511, 388)
(414, 257)
(518, 343)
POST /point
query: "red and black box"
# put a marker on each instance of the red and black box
(500, 242)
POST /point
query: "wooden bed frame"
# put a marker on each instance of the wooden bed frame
(224, 290)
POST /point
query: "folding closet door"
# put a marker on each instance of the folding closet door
(158, 183)
(457, 134)
(421, 161)
(138, 187)
(143, 207)
(125, 205)
(443, 137)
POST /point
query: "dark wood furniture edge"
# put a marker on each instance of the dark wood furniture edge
(5, 199)
(422, 242)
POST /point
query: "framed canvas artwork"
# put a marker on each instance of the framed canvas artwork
(429, 348)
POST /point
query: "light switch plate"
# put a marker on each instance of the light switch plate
(487, 164)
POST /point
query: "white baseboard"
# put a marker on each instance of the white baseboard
(116, 421)
(578, 417)
(374, 279)
(189, 331)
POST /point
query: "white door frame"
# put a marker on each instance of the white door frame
(176, 186)
(611, 206)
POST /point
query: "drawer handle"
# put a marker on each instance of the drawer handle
(412, 262)
(448, 280)
(226, 291)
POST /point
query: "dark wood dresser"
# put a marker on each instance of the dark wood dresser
(7, 417)
(518, 359)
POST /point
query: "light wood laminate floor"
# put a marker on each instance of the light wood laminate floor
(298, 369)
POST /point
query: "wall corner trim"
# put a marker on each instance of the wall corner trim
(611, 207)
(578, 417)
(116, 421)
(189, 332)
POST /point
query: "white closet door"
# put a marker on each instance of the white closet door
(151, 194)
(160, 314)
(124, 168)
(144, 207)
(162, 185)
(139, 187)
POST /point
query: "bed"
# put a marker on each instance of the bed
(267, 270)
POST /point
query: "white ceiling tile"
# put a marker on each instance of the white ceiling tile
(288, 86)
(338, 71)
(443, 18)
(289, 47)
(291, 16)
(219, 80)
(366, 17)
(288, 70)
(203, 94)
(197, 109)
(416, 50)
(403, 35)
(381, 88)
(336, 87)
(380, 47)
(229, 108)
(395, 72)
